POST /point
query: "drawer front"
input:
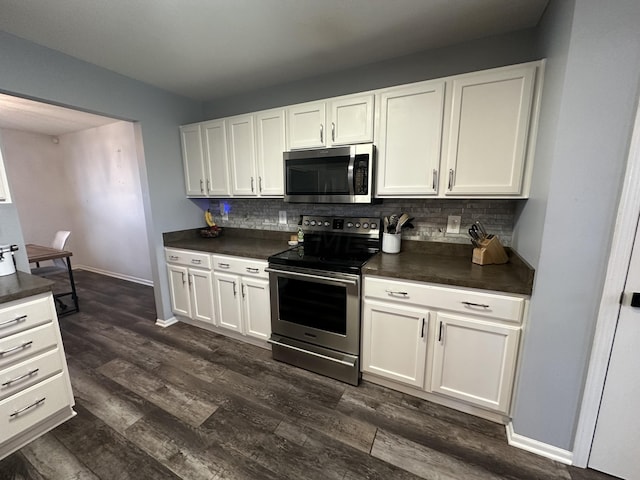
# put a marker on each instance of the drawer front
(23, 345)
(27, 313)
(188, 258)
(487, 305)
(28, 373)
(242, 266)
(33, 405)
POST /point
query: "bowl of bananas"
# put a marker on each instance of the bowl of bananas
(212, 230)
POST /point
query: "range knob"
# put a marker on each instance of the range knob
(357, 224)
(349, 224)
(365, 225)
(313, 223)
(306, 223)
(374, 226)
(326, 224)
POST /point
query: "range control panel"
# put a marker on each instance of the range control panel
(352, 225)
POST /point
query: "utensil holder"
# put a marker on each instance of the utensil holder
(391, 242)
(490, 252)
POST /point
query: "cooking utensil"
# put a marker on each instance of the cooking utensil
(386, 224)
(401, 221)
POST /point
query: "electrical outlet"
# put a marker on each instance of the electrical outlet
(282, 217)
(453, 224)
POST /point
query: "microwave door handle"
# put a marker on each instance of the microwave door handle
(351, 177)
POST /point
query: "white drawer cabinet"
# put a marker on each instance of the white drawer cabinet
(242, 295)
(457, 343)
(191, 284)
(35, 391)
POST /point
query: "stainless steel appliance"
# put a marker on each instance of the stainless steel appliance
(315, 295)
(330, 175)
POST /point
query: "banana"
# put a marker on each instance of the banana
(209, 218)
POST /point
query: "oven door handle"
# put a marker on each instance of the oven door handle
(309, 275)
(324, 357)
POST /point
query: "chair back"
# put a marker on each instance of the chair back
(59, 242)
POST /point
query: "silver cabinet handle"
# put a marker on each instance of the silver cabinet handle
(333, 132)
(251, 184)
(471, 304)
(450, 178)
(321, 133)
(253, 270)
(14, 320)
(197, 261)
(190, 277)
(24, 409)
(173, 257)
(260, 184)
(183, 280)
(201, 186)
(242, 286)
(422, 330)
(17, 379)
(393, 292)
(435, 179)
(235, 293)
(208, 185)
(223, 265)
(440, 332)
(17, 347)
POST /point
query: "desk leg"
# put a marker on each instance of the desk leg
(74, 295)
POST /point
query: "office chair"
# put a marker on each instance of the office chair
(59, 264)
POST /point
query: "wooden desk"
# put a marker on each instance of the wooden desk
(40, 253)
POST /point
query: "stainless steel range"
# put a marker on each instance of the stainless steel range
(315, 295)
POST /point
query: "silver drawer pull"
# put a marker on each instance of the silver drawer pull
(471, 304)
(24, 409)
(17, 379)
(173, 257)
(197, 261)
(223, 265)
(253, 270)
(15, 320)
(393, 292)
(17, 347)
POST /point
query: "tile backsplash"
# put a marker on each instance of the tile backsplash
(430, 215)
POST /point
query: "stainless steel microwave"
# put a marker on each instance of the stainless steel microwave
(330, 175)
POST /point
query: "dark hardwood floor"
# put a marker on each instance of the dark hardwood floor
(181, 402)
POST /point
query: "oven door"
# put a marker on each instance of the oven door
(317, 307)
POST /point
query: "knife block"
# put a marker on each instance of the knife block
(490, 252)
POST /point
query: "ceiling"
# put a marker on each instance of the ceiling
(208, 49)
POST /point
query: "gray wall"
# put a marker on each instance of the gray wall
(43, 74)
(584, 155)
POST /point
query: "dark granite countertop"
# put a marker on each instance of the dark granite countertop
(450, 264)
(433, 262)
(239, 242)
(20, 285)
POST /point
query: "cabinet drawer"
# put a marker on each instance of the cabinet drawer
(188, 258)
(488, 305)
(241, 266)
(23, 375)
(23, 314)
(31, 406)
(26, 344)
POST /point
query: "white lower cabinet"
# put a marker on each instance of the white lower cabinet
(242, 295)
(458, 344)
(191, 288)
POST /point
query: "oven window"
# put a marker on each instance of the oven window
(318, 176)
(312, 304)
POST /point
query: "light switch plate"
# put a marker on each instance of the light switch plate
(282, 217)
(453, 224)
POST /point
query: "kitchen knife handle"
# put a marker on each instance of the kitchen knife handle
(333, 132)
(321, 133)
(435, 179)
(450, 178)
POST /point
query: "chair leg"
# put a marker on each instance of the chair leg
(63, 306)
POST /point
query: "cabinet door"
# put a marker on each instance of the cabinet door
(271, 144)
(306, 124)
(394, 342)
(228, 301)
(179, 290)
(201, 284)
(194, 175)
(216, 160)
(488, 132)
(474, 361)
(242, 155)
(351, 120)
(257, 307)
(410, 139)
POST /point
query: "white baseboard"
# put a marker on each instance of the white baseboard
(142, 281)
(537, 447)
(166, 323)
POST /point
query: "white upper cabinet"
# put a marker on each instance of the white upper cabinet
(193, 160)
(409, 139)
(488, 131)
(214, 134)
(339, 121)
(271, 143)
(242, 154)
